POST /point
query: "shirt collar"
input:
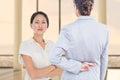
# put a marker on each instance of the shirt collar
(85, 18)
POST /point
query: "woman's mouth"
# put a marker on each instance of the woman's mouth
(39, 29)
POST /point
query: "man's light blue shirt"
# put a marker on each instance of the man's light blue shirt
(83, 40)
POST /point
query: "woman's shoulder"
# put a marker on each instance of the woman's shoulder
(27, 42)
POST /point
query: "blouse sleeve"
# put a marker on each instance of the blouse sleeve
(25, 50)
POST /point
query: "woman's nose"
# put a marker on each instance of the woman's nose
(40, 25)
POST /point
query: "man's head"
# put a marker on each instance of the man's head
(83, 7)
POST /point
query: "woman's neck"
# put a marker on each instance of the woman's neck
(38, 38)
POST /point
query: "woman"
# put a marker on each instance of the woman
(84, 42)
(35, 51)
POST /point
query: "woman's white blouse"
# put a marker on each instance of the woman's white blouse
(39, 55)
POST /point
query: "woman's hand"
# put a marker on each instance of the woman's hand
(55, 71)
(86, 66)
(52, 67)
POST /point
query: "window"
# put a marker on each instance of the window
(6, 27)
(113, 15)
(50, 7)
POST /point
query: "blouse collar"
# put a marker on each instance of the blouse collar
(32, 40)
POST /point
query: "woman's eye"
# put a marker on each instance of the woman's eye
(43, 22)
(36, 22)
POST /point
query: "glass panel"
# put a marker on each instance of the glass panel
(6, 27)
(50, 7)
(113, 15)
(68, 13)
(28, 8)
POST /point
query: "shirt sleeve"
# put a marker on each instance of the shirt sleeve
(24, 49)
(56, 58)
(104, 60)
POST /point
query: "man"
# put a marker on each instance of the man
(85, 44)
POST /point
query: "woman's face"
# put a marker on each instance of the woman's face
(39, 24)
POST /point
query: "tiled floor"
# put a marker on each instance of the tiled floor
(9, 74)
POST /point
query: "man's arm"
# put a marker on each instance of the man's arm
(104, 61)
(62, 45)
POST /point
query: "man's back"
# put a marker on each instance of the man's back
(88, 40)
(85, 40)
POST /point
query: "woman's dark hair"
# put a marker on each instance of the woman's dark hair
(84, 6)
(37, 13)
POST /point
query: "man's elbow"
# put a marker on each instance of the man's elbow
(54, 60)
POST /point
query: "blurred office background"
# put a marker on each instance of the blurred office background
(14, 28)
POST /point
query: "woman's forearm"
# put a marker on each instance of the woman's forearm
(37, 72)
(55, 72)
(42, 72)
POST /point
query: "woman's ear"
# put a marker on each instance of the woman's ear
(31, 26)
